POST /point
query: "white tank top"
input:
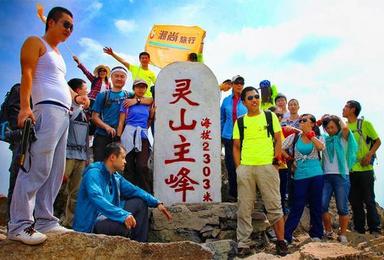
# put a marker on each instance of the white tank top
(49, 82)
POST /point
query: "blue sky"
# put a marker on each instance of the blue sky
(320, 52)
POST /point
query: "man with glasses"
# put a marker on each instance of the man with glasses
(253, 157)
(230, 110)
(362, 176)
(43, 78)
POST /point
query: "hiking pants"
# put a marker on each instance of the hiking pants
(139, 210)
(35, 191)
(13, 171)
(230, 165)
(265, 178)
(99, 144)
(73, 172)
(308, 190)
(136, 169)
(362, 192)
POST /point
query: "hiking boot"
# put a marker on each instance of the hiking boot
(244, 252)
(29, 236)
(376, 233)
(328, 235)
(342, 239)
(281, 248)
(315, 239)
(360, 231)
(271, 234)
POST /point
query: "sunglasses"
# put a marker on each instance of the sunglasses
(68, 26)
(102, 70)
(252, 97)
(303, 120)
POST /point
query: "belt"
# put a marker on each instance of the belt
(51, 102)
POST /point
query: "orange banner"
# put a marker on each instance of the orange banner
(170, 43)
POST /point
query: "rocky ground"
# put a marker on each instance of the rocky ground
(198, 231)
(209, 230)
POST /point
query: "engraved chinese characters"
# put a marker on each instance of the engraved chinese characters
(187, 135)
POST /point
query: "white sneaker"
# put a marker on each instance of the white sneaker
(342, 239)
(29, 236)
(315, 239)
(57, 230)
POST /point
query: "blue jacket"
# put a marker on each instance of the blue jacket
(226, 116)
(102, 193)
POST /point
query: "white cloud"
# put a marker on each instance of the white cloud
(125, 26)
(350, 70)
(95, 6)
(93, 55)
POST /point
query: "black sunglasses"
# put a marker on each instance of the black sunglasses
(251, 97)
(303, 120)
(67, 25)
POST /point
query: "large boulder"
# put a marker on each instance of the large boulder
(89, 246)
(201, 222)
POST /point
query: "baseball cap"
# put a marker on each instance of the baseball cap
(238, 79)
(139, 81)
(264, 84)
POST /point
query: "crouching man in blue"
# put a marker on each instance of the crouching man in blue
(109, 204)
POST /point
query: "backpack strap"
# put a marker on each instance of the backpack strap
(107, 94)
(294, 144)
(359, 129)
(240, 125)
(268, 117)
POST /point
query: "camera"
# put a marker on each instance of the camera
(12, 136)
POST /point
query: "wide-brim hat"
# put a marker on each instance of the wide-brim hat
(102, 66)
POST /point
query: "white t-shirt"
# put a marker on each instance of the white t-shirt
(333, 168)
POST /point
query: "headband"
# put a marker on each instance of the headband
(119, 69)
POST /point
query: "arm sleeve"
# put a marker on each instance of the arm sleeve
(95, 194)
(88, 74)
(128, 190)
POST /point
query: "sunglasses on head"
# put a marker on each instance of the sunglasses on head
(252, 97)
(67, 25)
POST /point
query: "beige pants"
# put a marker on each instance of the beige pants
(249, 179)
(73, 172)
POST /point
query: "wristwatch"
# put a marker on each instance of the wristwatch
(138, 100)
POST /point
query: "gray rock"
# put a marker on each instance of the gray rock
(223, 249)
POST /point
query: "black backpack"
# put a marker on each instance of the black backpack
(368, 141)
(10, 108)
(270, 132)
